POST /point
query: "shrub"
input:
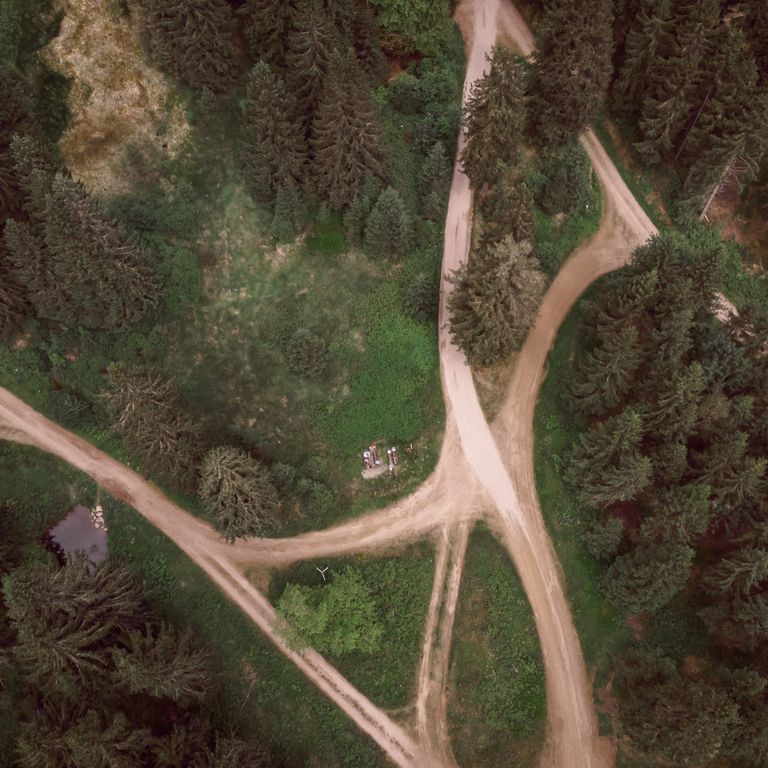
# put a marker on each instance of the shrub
(307, 353)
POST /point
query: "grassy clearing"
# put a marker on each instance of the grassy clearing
(599, 625)
(261, 693)
(401, 586)
(497, 700)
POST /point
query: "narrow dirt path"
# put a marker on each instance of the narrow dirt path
(431, 705)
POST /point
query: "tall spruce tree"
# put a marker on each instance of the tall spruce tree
(388, 230)
(666, 715)
(681, 513)
(345, 133)
(605, 373)
(494, 118)
(273, 145)
(675, 81)
(648, 36)
(608, 464)
(147, 412)
(78, 266)
(193, 40)
(238, 493)
(367, 44)
(573, 67)
(435, 177)
(508, 210)
(674, 411)
(13, 303)
(649, 576)
(267, 24)
(161, 663)
(756, 27)
(311, 41)
(494, 300)
(729, 135)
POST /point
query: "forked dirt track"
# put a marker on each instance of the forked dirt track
(479, 471)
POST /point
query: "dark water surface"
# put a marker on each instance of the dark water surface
(78, 533)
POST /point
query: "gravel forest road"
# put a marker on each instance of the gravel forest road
(478, 467)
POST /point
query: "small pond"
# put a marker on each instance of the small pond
(81, 531)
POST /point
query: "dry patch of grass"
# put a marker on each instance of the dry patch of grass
(118, 103)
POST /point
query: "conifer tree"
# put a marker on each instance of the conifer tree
(608, 465)
(670, 461)
(273, 146)
(675, 82)
(162, 664)
(573, 67)
(604, 539)
(568, 179)
(508, 210)
(681, 513)
(311, 41)
(739, 571)
(15, 118)
(230, 753)
(746, 741)
(649, 576)
(675, 410)
(356, 215)
(63, 617)
(77, 266)
(146, 410)
(193, 40)
(290, 215)
(494, 117)
(729, 135)
(495, 300)
(756, 27)
(388, 230)
(647, 38)
(13, 303)
(605, 373)
(734, 475)
(237, 491)
(435, 178)
(267, 24)
(88, 741)
(367, 44)
(667, 716)
(345, 133)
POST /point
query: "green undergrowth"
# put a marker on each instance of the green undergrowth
(401, 586)
(497, 703)
(600, 627)
(557, 236)
(262, 694)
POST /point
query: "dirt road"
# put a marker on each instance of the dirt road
(478, 470)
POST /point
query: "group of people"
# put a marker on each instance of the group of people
(371, 457)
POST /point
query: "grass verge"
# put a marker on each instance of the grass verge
(401, 587)
(497, 704)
